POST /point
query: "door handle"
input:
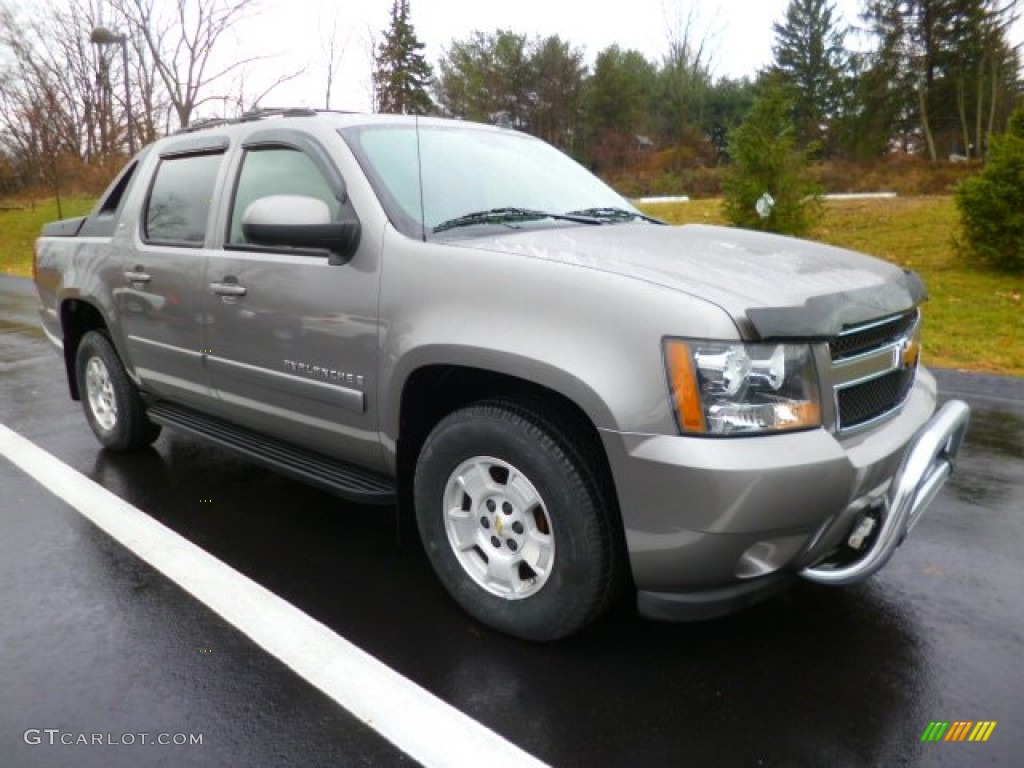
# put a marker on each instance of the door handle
(136, 275)
(228, 288)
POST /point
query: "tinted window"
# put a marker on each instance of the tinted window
(270, 171)
(179, 203)
(115, 192)
(103, 219)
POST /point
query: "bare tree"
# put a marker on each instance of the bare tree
(333, 52)
(180, 45)
(239, 96)
(152, 105)
(56, 113)
(370, 51)
(686, 71)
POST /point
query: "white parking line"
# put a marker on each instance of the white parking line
(413, 719)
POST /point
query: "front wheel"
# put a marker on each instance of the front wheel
(109, 398)
(514, 520)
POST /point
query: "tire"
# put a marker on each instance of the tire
(109, 398)
(514, 521)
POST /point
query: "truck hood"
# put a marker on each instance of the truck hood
(781, 286)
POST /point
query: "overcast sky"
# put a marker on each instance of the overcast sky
(296, 31)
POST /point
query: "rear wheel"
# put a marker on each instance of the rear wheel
(514, 521)
(109, 398)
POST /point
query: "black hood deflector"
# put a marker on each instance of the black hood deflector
(824, 317)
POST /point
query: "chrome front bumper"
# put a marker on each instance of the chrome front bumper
(926, 466)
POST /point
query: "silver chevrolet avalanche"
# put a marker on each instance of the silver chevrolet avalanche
(575, 401)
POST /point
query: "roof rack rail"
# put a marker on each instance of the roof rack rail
(260, 113)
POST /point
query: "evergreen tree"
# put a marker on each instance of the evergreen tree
(728, 104)
(881, 103)
(558, 73)
(915, 33)
(620, 95)
(812, 64)
(952, 63)
(530, 84)
(401, 75)
(992, 203)
(487, 77)
(768, 186)
(620, 105)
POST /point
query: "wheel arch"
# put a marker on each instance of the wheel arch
(77, 318)
(431, 392)
(493, 371)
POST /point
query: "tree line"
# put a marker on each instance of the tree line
(935, 78)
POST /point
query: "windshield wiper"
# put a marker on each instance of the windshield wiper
(607, 215)
(508, 215)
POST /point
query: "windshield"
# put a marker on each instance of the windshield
(475, 179)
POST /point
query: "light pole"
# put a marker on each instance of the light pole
(102, 36)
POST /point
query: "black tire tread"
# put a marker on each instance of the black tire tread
(558, 435)
(586, 458)
(133, 430)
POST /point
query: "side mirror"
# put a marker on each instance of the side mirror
(300, 222)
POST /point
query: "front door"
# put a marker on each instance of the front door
(293, 339)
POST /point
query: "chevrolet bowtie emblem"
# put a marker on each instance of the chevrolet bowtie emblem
(910, 353)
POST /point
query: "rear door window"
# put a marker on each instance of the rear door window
(178, 208)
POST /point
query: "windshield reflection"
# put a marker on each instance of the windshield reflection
(463, 170)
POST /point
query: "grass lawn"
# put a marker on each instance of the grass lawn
(974, 319)
(20, 228)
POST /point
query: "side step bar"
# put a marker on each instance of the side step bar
(344, 480)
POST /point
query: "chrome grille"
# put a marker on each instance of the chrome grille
(866, 402)
(874, 366)
(864, 338)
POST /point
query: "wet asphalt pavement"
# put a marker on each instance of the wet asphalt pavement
(92, 639)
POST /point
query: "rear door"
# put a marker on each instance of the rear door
(161, 301)
(292, 338)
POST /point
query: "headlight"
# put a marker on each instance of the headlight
(731, 388)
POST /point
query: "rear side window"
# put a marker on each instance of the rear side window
(178, 208)
(115, 192)
(270, 171)
(103, 219)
